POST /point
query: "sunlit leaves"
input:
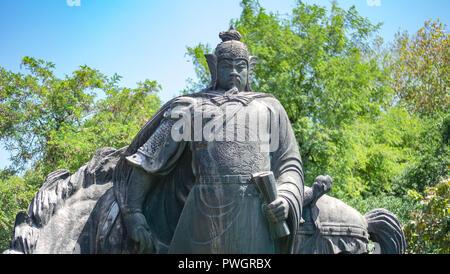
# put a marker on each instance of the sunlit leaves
(115, 122)
(15, 196)
(428, 230)
(421, 66)
(320, 65)
(34, 104)
(57, 123)
(51, 123)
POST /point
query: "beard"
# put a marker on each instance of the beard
(235, 81)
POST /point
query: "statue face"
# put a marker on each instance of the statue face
(232, 73)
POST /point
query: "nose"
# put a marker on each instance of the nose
(234, 72)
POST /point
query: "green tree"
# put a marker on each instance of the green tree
(115, 121)
(421, 65)
(57, 123)
(428, 230)
(50, 123)
(325, 69)
(33, 105)
(431, 160)
(374, 118)
(15, 195)
(419, 76)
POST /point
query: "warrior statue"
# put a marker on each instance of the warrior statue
(195, 195)
(218, 171)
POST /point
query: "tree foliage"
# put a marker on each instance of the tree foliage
(50, 123)
(57, 123)
(33, 105)
(326, 70)
(373, 117)
(116, 120)
(428, 230)
(15, 196)
(421, 65)
(432, 160)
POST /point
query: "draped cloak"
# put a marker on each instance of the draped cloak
(173, 180)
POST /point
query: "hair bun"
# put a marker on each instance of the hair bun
(231, 34)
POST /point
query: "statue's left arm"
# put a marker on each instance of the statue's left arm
(286, 165)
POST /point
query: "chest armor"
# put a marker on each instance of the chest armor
(234, 139)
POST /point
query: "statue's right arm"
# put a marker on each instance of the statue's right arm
(155, 158)
(149, 162)
(138, 188)
(135, 222)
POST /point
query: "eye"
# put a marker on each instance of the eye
(241, 65)
(226, 66)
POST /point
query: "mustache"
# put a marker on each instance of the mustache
(235, 78)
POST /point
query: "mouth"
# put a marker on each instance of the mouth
(235, 80)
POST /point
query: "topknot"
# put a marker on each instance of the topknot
(231, 34)
(231, 47)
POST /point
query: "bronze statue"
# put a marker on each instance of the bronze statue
(217, 171)
(220, 208)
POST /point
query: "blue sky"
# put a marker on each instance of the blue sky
(147, 39)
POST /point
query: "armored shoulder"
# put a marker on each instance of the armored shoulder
(182, 104)
(154, 154)
(271, 100)
(183, 101)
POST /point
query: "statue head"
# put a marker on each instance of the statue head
(231, 65)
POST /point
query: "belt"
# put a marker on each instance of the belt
(224, 179)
